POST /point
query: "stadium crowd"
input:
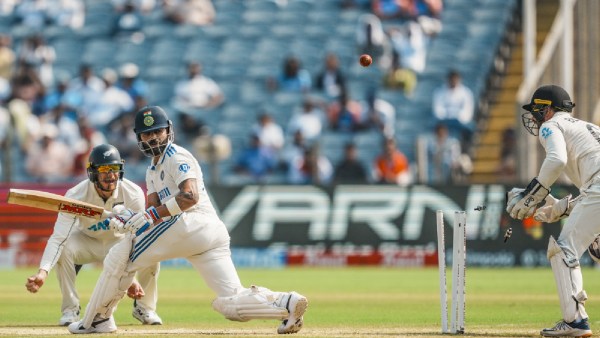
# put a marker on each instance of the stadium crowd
(56, 118)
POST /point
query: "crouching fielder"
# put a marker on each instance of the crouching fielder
(573, 147)
(180, 222)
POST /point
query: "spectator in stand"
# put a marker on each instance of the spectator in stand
(257, 160)
(7, 7)
(189, 12)
(128, 23)
(49, 160)
(89, 138)
(142, 6)
(344, 114)
(388, 9)
(113, 102)
(197, 91)
(7, 57)
(379, 114)
(453, 104)
(36, 53)
(443, 156)
(26, 91)
(5, 133)
(130, 82)
(67, 124)
(32, 13)
(331, 80)
(371, 39)
(67, 13)
(88, 87)
(410, 42)
(391, 166)
(293, 77)
(398, 77)
(426, 12)
(292, 150)
(269, 132)
(119, 134)
(310, 168)
(350, 169)
(38, 13)
(308, 121)
(507, 171)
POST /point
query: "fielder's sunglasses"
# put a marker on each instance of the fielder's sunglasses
(109, 168)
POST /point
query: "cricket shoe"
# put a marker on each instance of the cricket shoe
(296, 305)
(564, 329)
(69, 316)
(146, 317)
(99, 325)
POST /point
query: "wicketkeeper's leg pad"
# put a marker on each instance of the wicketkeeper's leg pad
(253, 303)
(112, 283)
(569, 282)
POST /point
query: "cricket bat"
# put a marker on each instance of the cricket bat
(53, 202)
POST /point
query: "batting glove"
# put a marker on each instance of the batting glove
(121, 216)
(523, 204)
(140, 222)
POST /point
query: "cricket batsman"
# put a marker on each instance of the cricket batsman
(180, 222)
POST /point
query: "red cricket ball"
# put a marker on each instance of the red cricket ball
(365, 60)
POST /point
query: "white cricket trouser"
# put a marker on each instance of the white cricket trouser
(203, 241)
(81, 249)
(581, 228)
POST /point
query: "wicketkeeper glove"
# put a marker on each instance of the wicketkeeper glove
(523, 204)
(140, 222)
(556, 211)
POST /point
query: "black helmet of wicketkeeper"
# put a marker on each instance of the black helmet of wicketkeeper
(148, 119)
(543, 98)
(101, 156)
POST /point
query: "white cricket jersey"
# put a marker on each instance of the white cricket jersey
(127, 193)
(573, 146)
(173, 167)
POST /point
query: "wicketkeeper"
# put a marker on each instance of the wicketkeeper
(573, 148)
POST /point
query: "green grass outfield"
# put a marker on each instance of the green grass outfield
(343, 302)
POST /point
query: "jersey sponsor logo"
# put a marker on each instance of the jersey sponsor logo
(184, 167)
(164, 193)
(100, 226)
(546, 132)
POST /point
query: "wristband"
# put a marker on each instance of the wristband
(153, 214)
(173, 207)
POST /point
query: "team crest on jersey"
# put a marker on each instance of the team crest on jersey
(546, 132)
(184, 167)
(162, 175)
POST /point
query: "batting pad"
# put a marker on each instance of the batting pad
(569, 283)
(112, 283)
(253, 303)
